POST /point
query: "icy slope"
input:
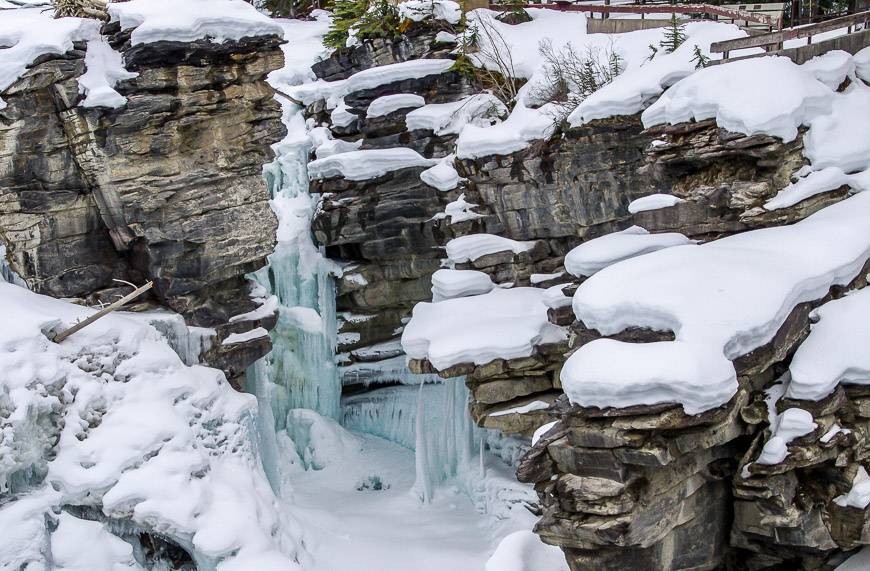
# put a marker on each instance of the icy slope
(112, 422)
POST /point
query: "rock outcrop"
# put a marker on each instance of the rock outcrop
(167, 187)
(643, 487)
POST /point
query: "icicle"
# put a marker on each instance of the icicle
(423, 484)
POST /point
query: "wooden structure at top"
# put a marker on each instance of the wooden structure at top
(755, 19)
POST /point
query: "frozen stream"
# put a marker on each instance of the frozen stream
(388, 529)
(388, 479)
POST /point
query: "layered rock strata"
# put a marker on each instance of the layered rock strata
(167, 187)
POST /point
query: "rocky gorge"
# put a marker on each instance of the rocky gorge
(462, 266)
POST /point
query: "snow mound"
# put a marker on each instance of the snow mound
(103, 550)
(451, 118)
(449, 284)
(502, 324)
(862, 64)
(836, 349)
(389, 103)
(442, 176)
(320, 441)
(598, 253)
(523, 126)
(458, 211)
(644, 80)
(333, 91)
(831, 68)
(839, 139)
(524, 551)
(653, 202)
(730, 94)
(792, 423)
(474, 246)
(721, 299)
(859, 495)
(111, 419)
(30, 33)
(191, 20)
(104, 69)
(419, 10)
(366, 164)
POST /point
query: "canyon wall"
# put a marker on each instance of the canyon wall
(168, 187)
(642, 487)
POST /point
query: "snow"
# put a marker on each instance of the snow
(115, 420)
(471, 247)
(389, 103)
(32, 32)
(524, 551)
(835, 351)
(831, 68)
(554, 298)
(792, 423)
(104, 69)
(644, 80)
(442, 176)
(860, 561)
(862, 64)
(536, 279)
(837, 139)
(333, 91)
(542, 430)
(596, 254)
(80, 544)
(320, 441)
(502, 324)
(341, 117)
(446, 38)
(449, 284)
(729, 94)
(526, 408)
(835, 145)
(816, 182)
(653, 202)
(418, 10)
(191, 20)
(721, 299)
(268, 306)
(451, 118)
(304, 46)
(859, 495)
(458, 211)
(254, 333)
(832, 432)
(366, 164)
(523, 126)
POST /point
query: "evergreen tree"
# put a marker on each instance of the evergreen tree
(345, 13)
(699, 58)
(675, 34)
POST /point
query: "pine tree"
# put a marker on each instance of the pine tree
(699, 58)
(675, 34)
(345, 13)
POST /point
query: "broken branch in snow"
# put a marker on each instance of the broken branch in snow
(103, 312)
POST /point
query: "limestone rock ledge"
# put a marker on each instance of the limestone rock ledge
(167, 187)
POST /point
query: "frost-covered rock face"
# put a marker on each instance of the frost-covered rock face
(109, 438)
(160, 178)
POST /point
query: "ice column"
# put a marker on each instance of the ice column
(300, 370)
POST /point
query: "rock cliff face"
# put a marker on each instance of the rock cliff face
(167, 187)
(643, 487)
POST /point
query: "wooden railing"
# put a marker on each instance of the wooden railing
(774, 40)
(691, 9)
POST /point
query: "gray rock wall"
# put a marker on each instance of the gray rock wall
(166, 188)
